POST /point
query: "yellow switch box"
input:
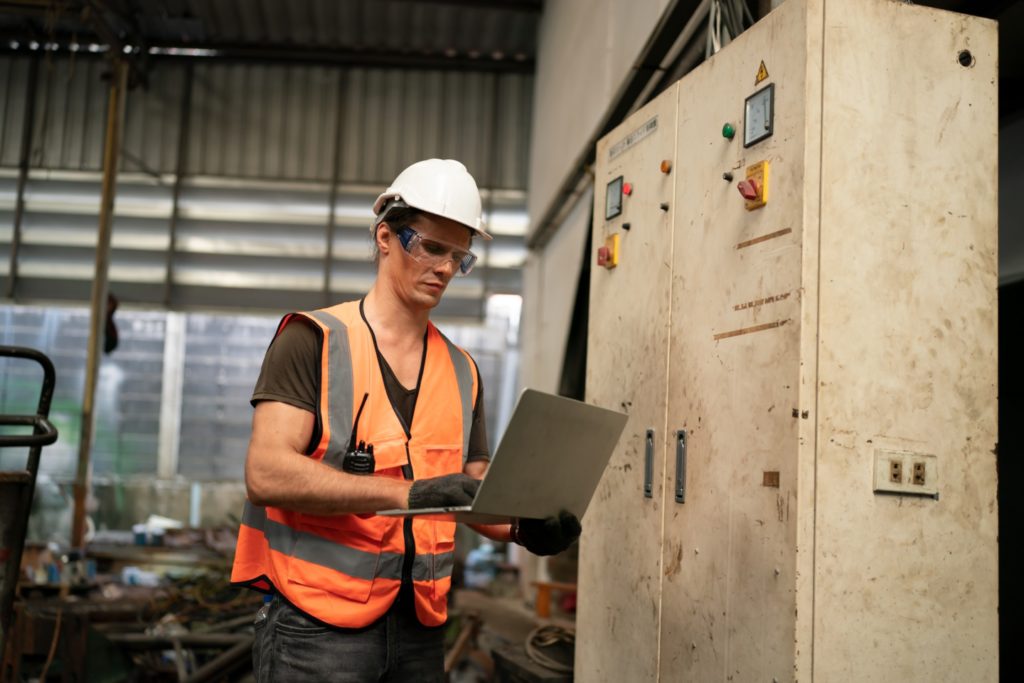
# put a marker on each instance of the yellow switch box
(758, 175)
(608, 254)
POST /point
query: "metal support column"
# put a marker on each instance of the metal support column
(23, 166)
(169, 443)
(179, 173)
(111, 152)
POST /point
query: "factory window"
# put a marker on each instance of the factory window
(127, 394)
(222, 360)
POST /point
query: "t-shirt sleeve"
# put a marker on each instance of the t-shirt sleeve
(478, 449)
(291, 368)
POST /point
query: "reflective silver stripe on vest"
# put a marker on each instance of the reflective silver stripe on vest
(253, 515)
(464, 376)
(349, 561)
(425, 567)
(339, 388)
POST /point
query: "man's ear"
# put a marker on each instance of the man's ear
(383, 237)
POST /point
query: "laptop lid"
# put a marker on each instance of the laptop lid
(550, 458)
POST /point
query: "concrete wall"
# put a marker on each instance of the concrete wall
(550, 278)
(586, 49)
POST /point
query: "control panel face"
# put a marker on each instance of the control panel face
(758, 117)
(613, 199)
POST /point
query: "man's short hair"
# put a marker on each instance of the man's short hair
(396, 218)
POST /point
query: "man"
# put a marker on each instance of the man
(360, 407)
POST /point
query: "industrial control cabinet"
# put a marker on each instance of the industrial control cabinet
(793, 296)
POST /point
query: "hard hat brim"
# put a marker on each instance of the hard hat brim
(381, 207)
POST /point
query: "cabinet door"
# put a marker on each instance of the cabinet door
(734, 365)
(620, 552)
(908, 372)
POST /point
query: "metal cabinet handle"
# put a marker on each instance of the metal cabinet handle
(680, 488)
(649, 465)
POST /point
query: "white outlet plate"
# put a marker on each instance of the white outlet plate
(910, 464)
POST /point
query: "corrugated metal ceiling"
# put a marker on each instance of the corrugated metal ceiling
(258, 129)
(279, 122)
(467, 33)
(397, 25)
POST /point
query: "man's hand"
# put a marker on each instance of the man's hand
(447, 491)
(547, 536)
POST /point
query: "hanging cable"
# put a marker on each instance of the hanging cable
(726, 20)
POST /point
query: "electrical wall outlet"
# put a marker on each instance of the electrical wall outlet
(895, 470)
(915, 474)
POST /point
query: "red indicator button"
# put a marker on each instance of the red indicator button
(748, 188)
(603, 254)
(627, 189)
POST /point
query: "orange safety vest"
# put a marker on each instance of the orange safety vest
(346, 570)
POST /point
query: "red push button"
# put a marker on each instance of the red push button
(748, 188)
(627, 189)
(603, 254)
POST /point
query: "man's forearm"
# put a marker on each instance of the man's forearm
(296, 482)
(495, 532)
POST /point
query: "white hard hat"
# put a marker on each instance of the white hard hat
(442, 187)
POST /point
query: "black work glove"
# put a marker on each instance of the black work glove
(447, 491)
(547, 536)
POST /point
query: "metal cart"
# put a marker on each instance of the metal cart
(18, 486)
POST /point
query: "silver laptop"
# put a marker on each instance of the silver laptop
(551, 458)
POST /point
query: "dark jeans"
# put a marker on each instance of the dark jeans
(291, 647)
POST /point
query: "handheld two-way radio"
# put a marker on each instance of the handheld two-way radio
(359, 458)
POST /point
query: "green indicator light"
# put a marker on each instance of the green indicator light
(728, 131)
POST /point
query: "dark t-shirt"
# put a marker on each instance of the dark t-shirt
(291, 374)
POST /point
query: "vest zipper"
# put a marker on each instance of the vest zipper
(407, 472)
(410, 540)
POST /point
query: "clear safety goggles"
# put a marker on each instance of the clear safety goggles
(431, 252)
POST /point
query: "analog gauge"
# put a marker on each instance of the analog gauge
(758, 116)
(613, 199)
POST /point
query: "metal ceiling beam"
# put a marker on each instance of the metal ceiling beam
(95, 14)
(352, 57)
(91, 14)
(107, 22)
(34, 7)
(295, 54)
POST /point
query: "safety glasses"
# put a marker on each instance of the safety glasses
(432, 252)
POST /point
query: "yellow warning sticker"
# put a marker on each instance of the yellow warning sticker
(762, 73)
